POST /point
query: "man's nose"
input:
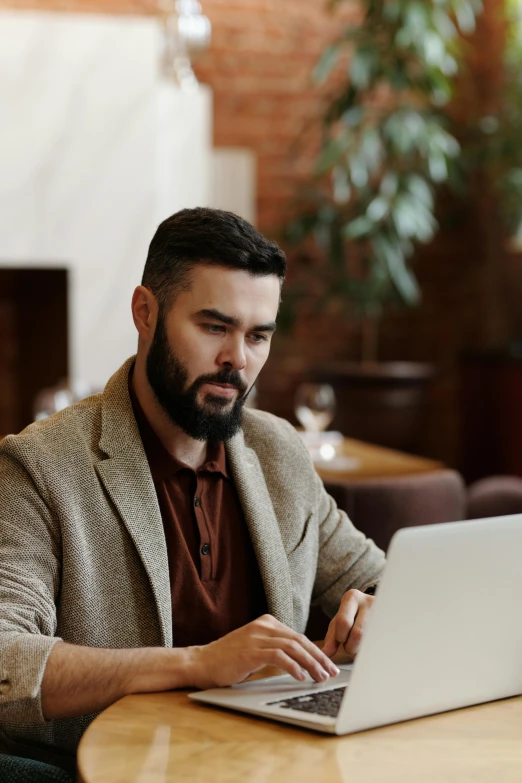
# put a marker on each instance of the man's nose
(232, 355)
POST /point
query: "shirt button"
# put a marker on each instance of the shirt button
(205, 549)
(5, 687)
(196, 501)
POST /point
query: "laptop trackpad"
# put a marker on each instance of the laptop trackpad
(285, 685)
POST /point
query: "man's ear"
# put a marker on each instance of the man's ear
(144, 312)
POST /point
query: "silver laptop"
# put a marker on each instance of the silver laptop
(445, 632)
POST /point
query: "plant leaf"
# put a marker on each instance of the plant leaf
(327, 62)
(357, 228)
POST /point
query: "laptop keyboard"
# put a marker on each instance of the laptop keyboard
(320, 703)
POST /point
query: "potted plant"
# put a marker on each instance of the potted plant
(385, 150)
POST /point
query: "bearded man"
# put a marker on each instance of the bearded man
(159, 535)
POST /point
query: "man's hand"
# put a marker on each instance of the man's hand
(80, 680)
(347, 627)
(263, 642)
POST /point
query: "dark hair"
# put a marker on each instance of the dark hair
(206, 236)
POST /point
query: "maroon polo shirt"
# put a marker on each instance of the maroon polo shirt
(214, 577)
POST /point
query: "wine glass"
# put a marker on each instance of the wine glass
(314, 406)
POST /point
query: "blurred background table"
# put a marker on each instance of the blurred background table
(374, 462)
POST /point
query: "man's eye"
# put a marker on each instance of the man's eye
(214, 328)
(259, 338)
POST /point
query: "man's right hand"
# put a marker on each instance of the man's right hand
(81, 680)
(263, 642)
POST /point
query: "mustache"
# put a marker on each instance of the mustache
(231, 377)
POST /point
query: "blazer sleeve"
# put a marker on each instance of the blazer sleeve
(29, 585)
(346, 558)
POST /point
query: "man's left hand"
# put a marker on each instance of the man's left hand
(347, 627)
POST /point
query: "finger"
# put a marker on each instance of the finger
(320, 667)
(330, 645)
(307, 661)
(316, 653)
(278, 658)
(344, 619)
(355, 636)
(279, 630)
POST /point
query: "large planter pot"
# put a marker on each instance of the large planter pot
(381, 402)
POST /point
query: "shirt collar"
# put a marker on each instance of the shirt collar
(161, 462)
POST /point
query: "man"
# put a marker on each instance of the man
(158, 536)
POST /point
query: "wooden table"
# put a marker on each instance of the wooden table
(374, 462)
(166, 738)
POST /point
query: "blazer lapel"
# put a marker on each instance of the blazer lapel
(263, 527)
(128, 481)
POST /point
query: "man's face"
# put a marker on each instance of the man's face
(209, 348)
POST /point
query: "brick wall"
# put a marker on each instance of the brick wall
(260, 68)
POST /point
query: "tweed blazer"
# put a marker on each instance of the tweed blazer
(83, 555)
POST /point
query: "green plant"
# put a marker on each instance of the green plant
(385, 148)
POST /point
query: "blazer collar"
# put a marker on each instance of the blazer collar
(263, 527)
(127, 478)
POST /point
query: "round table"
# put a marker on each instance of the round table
(167, 738)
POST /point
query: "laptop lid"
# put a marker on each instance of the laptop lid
(446, 627)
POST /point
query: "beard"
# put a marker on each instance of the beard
(168, 378)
